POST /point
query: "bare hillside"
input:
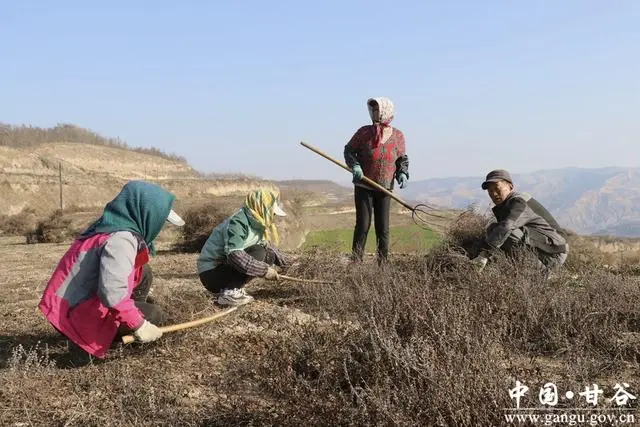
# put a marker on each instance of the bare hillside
(117, 162)
(93, 174)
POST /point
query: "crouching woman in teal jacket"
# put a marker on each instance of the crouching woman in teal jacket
(241, 248)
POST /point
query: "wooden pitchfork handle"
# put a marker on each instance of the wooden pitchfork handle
(364, 178)
(127, 339)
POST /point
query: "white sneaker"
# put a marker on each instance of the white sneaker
(234, 297)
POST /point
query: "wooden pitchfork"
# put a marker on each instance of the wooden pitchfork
(419, 212)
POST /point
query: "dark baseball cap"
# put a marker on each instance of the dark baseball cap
(496, 176)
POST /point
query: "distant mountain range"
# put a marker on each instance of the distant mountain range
(604, 201)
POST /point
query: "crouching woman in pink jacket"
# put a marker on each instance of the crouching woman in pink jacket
(100, 286)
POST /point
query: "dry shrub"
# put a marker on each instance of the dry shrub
(398, 352)
(585, 256)
(424, 340)
(629, 259)
(199, 223)
(185, 305)
(57, 228)
(467, 232)
(462, 241)
(413, 344)
(18, 224)
(105, 394)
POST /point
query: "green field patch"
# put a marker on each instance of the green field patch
(410, 238)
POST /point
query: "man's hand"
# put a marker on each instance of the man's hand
(147, 332)
(271, 274)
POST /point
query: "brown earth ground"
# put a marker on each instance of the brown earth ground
(214, 374)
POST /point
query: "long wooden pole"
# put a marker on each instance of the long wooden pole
(180, 326)
(364, 178)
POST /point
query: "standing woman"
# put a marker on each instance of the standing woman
(376, 151)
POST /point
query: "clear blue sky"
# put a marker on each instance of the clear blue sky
(233, 86)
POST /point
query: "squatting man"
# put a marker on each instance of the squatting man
(521, 221)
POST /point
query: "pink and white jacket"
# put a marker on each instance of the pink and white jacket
(89, 294)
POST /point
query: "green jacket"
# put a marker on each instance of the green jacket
(237, 232)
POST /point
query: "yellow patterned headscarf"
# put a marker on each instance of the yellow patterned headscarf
(260, 204)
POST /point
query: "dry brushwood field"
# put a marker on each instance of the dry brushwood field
(424, 341)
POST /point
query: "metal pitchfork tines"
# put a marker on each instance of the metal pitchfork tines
(420, 213)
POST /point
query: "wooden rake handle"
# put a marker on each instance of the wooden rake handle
(127, 339)
(364, 178)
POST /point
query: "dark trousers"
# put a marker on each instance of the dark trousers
(518, 239)
(225, 276)
(370, 202)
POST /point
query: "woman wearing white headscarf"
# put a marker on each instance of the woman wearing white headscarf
(376, 151)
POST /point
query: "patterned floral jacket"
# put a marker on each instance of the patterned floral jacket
(380, 163)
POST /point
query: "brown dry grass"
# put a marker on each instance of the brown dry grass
(424, 341)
